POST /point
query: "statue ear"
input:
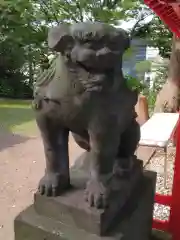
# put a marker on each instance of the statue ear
(122, 39)
(59, 38)
(126, 39)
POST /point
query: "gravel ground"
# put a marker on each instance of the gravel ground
(157, 164)
(22, 164)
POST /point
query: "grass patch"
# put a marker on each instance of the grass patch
(16, 116)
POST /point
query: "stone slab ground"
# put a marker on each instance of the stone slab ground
(21, 167)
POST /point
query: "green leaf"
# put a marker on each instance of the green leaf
(143, 66)
(134, 84)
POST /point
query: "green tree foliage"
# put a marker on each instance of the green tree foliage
(24, 25)
(158, 34)
(23, 32)
(20, 46)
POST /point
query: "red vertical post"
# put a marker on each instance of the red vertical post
(174, 220)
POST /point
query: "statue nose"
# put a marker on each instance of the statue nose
(83, 55)
(107, 58)
(86, 55)
(103, 51)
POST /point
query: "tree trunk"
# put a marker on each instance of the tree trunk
(31, 72)
(141, 109)
(168, 98)
(30, 66)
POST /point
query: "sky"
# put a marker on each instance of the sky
(128, 25)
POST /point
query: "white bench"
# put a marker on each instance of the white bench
(157, 132)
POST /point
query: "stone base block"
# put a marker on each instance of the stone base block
(71, 208)
(133, 223)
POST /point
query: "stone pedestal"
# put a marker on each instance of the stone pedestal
(68, 217)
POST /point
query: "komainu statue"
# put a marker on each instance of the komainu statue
(85, 92)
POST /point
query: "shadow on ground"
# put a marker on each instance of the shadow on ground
(16, 124)
(159, 235)
(9, 140)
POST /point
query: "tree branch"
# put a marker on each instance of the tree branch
(44, 10)
(80, 11)
(110, 3)
(68, 12)
(115, 3)
(137, 23)
(47, 10)
(54, 12)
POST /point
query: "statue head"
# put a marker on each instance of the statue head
(94, 46)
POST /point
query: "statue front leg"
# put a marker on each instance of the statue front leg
(104, 143)
(55, 141)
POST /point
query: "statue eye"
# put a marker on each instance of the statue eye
(94, 45)
(113, 45)
(88, 45)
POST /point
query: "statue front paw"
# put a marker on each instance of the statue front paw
(96, 194)
(52, 184)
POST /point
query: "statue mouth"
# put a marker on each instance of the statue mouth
(95, 69)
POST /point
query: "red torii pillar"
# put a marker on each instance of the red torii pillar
(174, 220)
(169, 12)
(172, 226)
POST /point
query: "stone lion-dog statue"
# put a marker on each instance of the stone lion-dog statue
(85, 93)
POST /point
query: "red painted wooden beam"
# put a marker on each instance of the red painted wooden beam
(163, 199)
(160, 225)
(168, 11)
(174, 219)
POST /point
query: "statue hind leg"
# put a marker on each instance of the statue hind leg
(55, 141)
(82, 140)
(128, 145)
